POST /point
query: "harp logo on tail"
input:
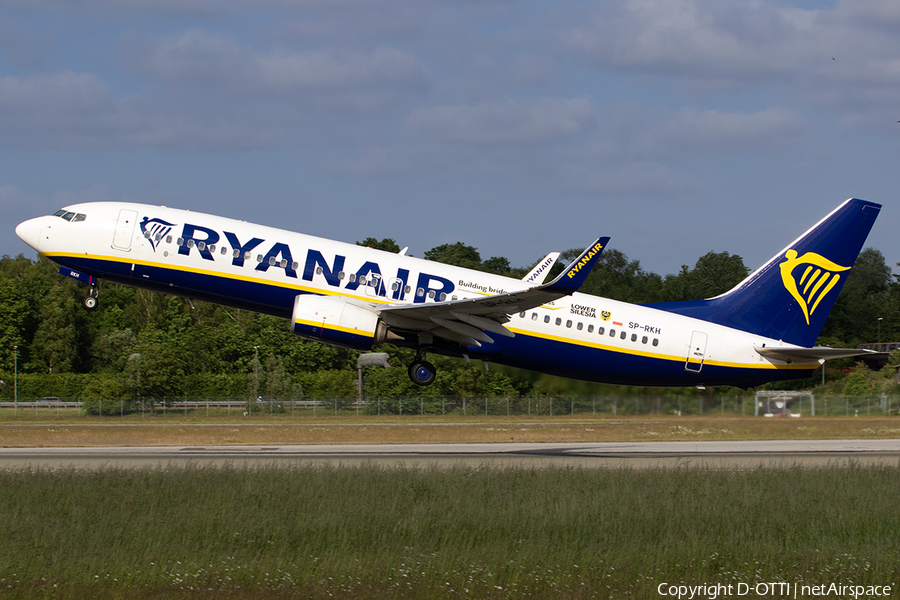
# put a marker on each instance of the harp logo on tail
(809, 278)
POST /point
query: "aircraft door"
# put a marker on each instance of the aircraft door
(124, 230)
(696, 352)
(374, 285)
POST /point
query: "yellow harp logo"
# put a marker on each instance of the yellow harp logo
(817, 276)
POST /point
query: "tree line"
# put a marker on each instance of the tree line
(156, 345)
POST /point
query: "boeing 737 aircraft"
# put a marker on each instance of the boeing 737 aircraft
(762, 330)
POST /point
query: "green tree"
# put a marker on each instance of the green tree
(714, 273)
(457, 254)
(867, 295)
(386, 244)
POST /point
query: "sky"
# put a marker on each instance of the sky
(677, 127)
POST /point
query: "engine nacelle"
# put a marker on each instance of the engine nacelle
(336, 321)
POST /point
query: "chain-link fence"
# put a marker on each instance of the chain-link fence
(803, 404)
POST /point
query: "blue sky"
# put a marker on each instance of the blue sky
(676, 127)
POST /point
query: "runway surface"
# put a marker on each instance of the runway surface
(713, 455)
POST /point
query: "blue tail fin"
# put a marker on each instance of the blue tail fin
(790, 296)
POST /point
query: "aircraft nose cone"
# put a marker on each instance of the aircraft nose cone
(30, 232)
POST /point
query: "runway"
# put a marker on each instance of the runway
(710, 455)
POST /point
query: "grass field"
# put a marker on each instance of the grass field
(368, 533)
(416, 533)
(31, 431)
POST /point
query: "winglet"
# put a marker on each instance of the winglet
(570, 280)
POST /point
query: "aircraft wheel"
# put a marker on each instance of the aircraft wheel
(422, 372)
(90, 302)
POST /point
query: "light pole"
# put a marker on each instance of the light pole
(880, 319)
(16, 377)
(255, 379)
(137, 358)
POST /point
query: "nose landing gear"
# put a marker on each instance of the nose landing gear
(90, 301)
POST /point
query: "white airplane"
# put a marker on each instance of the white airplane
(342, 294)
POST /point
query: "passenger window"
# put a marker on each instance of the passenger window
(420, 292)
(247, 255)
(655, 342)
(319, 270)
(633, 337)
(579, 326)
(179, 242)
(168, 239)
(591, 328)
(212, 248)
(395, 286)
(340, 274)
(431, 294)
(569, 323)
(352, 277)
(295, 265)
(224, 250)
(362, 281)
(623, 335)
(454, 298)
(521, 315)
(534, 316)
(546, 318)
(443, 296)
(259, 258)
(201, 246)
(601, 330)
(558, 321)
(644, 340)
(612, 333)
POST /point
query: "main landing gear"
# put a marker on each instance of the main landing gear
(421, 371)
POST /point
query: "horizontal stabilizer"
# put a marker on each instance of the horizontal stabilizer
(815, 353)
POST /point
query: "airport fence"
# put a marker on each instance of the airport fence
(803, 405)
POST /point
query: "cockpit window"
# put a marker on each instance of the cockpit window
(70, 216)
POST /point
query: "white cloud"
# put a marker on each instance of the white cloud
(632, 178)
(63, 108)
(713, 130)
(696, 38)
(199, 59)
(532, 121)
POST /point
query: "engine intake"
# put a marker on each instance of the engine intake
(337, 322)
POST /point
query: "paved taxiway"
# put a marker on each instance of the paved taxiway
(717, 455)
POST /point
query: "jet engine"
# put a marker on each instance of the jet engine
(337, 321)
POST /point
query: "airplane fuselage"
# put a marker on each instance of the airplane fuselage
(239, 264)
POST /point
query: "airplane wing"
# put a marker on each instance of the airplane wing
(815, 353)
(466, 321)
